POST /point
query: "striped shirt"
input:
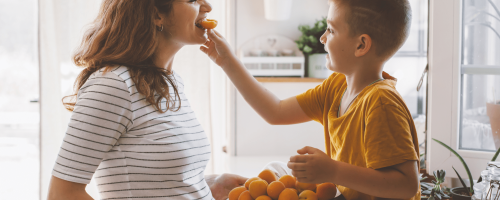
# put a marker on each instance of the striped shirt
(132, 150)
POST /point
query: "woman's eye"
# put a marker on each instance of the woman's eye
(329, 30)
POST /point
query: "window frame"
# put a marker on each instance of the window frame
(445, 91)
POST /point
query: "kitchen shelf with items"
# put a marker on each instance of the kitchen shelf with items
(272, 55)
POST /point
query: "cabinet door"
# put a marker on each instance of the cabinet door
(255, 137)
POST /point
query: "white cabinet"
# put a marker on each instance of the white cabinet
(255, 137)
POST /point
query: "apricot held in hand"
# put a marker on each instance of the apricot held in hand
(258, 188)
(308, 195)
(235, 193)
(326, 191)
(209, 23)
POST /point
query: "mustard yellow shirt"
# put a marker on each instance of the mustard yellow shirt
(377, 131)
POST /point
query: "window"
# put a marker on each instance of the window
(464, 77)
(480, 75)
(19, 110)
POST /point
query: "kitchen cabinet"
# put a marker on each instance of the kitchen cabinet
(255, 137)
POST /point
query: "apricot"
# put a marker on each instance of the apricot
(288, 180)
(326, 191)
(274, 189)
(235, 192)
(258, 188)
(268, 175)
(263, 197)
(308, 195)
(209, 23)
(288, 194)
(304, 186)
(245, 195)
(247, 183)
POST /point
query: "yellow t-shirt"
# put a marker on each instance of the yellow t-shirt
(377, 130)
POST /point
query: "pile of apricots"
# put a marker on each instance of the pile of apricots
(268, 187)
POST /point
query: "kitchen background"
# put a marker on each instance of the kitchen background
(249, 141)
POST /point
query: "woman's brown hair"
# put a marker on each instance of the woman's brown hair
(124, 33)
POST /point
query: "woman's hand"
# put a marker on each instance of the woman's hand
(218, 49)
(221, 185)
(312, 166)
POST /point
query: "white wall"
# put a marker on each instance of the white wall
(251, 22)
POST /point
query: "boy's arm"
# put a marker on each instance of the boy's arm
(274, 110)
(397, 181)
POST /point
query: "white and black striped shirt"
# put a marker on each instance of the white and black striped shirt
(134, 151)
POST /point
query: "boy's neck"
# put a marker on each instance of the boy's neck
(359, 79)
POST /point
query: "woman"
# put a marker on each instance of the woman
(132, 128)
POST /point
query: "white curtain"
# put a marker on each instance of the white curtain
(61, 27)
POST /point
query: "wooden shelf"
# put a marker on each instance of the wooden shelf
(288, 79)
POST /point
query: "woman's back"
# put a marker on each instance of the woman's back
(134, 150)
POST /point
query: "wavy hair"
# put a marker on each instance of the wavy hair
(124, 33)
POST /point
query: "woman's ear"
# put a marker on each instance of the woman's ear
(158, 18)
(363, 46)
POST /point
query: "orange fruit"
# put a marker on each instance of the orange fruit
(258, 188)
(274, 189)
(326, 191)
(247, 183)
(288, 180)
(245, 195)
(235, 192)
(263, 197)
(304, 186)
(308, 195)
(288, 194)
(209, 23)
(268, 175)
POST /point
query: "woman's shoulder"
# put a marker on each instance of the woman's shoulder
(115, 77)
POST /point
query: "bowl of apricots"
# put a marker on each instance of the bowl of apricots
(266, 186)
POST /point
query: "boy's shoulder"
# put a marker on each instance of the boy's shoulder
(382, 94)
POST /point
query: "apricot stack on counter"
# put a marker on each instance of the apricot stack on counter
(267, 186)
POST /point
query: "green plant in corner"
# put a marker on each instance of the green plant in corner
(309, 42)
(471, 190)
(436, 191)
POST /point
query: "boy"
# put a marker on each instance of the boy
(371, 143)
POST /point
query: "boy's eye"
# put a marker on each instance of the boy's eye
(329, 30)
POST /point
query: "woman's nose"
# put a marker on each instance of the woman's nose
(322, 39)
(206, 7)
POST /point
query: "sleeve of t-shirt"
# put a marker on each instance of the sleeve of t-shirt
(388, 139)
(101, 115)
(312, 101)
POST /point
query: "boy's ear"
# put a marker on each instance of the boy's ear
(363, 45)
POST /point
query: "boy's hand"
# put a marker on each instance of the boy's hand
(218, 49)
(312, 166)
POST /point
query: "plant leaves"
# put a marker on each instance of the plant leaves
(471, 190)
(496, 155)
(460, 178)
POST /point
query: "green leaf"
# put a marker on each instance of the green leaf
(496, 155)
(307, 49)
(460, 178)
(463, 163)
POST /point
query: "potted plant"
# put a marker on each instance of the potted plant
(463, 192)
(434, 190)
(309, 43)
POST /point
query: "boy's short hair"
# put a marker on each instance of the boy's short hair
(387, 22)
